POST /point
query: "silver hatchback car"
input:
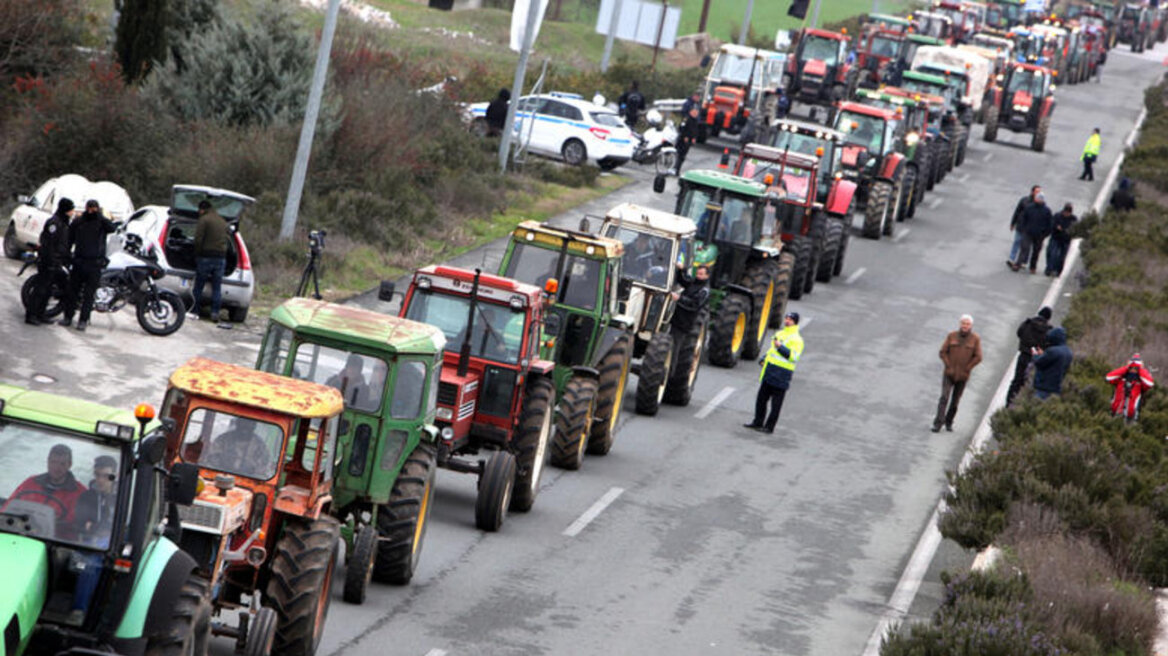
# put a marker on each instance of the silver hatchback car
(171, 233)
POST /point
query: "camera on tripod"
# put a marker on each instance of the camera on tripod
(316, 240)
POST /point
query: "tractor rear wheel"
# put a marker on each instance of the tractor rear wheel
(908, 194)
(495, 487)
(728, 330)
(784, 276)
(991, 127)
(760, 280)
(879, 199)
(894, 206)
(686, 363)
(1038, 142)
(845, 237)
(654, 375)
(818, 235)
(531, 441)
(831, 251)
(188, 627)
(401, 523)
(610, 395)
(921, 182)
(573, 419)
(960, 138)
(359, 569)
(945, 163)
(300, 584)
(801, 249)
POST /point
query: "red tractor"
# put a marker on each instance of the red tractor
(496, 394)
(877, 56)
(963, 18)
(873, 157)
(816, 232)
(818, 72)
(1023, 102)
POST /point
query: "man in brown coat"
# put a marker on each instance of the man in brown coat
(961, 352)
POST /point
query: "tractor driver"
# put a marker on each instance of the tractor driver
(56, 488)
(1026, 80)
(241, 449)
(350, 381)
(639, 257)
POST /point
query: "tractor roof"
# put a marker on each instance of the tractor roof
(867, 110)
(1019, 2)
(888, 18)
(746, 52)
(257, 389)
(579, 243)
(61, 411)
(379, 332)
(837, 36)
(490, 286)
(731, 183)
(772, 154)
(928, 78)
(886, 95)
(804, 127)
(656, 220)
(914, 95)
(1031, 67)
(925, 39)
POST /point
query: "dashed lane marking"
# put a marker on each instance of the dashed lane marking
(900, 235)
(936, 202)
(593, 512)
(988, 157)
(855, 276)
(964, 178)
(436, 652)
(718, 398)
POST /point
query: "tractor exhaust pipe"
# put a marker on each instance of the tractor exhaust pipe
(464, 350)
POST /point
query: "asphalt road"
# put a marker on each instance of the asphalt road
(704, 537)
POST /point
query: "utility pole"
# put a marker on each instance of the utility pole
(517, 85)
(815, 14)
(705, 15)
(612, 22)
(660, 29)
(746, 22)
(875, 6)
(308, 128)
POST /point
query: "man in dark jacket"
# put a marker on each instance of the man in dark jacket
(631, 104)
(691, 300)
(52, 260)
(497, 113)
(87, 236)
(777, 370)
(1060, 240)
(691, 126)
(1031, 335)
(1035, 223)
(1015, 224)
(1051, 364)
(211, 237)
(1124, 198)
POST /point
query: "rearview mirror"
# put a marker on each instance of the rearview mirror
(585, 225)
(182, 485)
(551, 325)
(624, 289)
(385, 291)
(21, 198)
(152, 448)
(862, 158)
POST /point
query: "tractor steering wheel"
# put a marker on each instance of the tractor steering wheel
(61, 509)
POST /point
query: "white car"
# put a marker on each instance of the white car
(567, 127)
(24, 229)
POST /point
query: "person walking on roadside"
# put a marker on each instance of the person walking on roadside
(1015, 224)
(777, 370)
(1130, 381)
(52, 263)
(1031, 333)
(1051, 364)
(87, 236)
(960, 352)
(631, 104)
(690, 127)
(211, 237)
(1060, 240)
(1090, 154)
(497, 113)
(1123, 199)
(1036, 223)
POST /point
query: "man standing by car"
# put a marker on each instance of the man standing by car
(87, 236)
(210, 257)
(631, 103)
(52, 263)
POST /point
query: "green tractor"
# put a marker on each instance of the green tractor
(387, 369)
(584, 333)
(87, 571)
(749, 281)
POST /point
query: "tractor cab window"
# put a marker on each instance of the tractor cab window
(235, 445)
(693, 206)
(796, 142)
(817, 47)
(579, 280)
(1024, 79)
(647, 256)
(737, 223)
(732, 68)
(360, 378)
(497, 331)
(312, 439)
(884, 47)
(56, 486)
(409, 387)
(796, 184)
(862, 130)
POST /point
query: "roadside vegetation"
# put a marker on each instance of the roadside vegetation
(1075, 498)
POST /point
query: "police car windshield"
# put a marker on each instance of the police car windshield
(498, 330)
(579, 280)
(647, 256)
(817, 47)
(57, 486)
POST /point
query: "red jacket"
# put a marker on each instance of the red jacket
(38, 489)
(1141, 380)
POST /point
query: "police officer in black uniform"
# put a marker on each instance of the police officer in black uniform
(87, 235)
(53, 255)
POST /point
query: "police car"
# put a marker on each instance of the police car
(567, 127)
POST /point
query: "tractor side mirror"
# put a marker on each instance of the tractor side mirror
(585, 225)
(22, 199)
(152, 448)
(862, 159)
(552, 324)
(182, 485)
(624, 289)
(386, 290)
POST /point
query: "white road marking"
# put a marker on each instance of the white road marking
(714, 402)
(988, 157)
(900, 235)
(935, 203)
(803, 323)
(593, 512)
(855, 276)
(964, 178)
(436, 652)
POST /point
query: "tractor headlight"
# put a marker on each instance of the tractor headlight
(911, 139)
(1021, 108)
(445, 414)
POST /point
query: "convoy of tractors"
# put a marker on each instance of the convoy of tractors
(258, 474)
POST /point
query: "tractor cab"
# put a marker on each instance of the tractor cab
(1028, 46)
(912, 108)
(818, 72)
(1023, 102)
(738, 84)
(729, 212)
(811, 139)
(962, 18)
(1004, 14)
(908, 51)
(877, 55)
(266, 448)
(934, 24)
(886, 22)
(870, 133)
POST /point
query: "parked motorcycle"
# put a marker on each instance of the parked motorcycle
(129, 277)
(658, 144)
(54, 306)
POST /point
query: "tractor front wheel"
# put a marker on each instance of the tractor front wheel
(760, 279)
(875, 214)
(818, 235)
(610, 395)
(359, 569)
(845, 237)
(679, 388)
(960, 138)
(894, 206)
(495, 487)
(1038, 142)
(728, 330)
(531, 441)
(784, 275)
(908, 194)
(801, 250)
(261, 633)
(654, 375)
(831, 251)
(402, 522)
(991, 126)
(188, 628)
(300, 583)
(573, 420)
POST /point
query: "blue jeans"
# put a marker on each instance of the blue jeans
(87, 579)
(1017, 246)
(1056, 255)
(209, 269)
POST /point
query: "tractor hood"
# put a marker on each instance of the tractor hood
(815, 67)
(1022, 98)
(25, 563)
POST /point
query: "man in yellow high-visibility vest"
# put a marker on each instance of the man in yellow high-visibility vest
(777, 369)
(1090, 154)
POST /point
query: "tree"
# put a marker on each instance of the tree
(141, 37)
(37, 37)
(187, 18)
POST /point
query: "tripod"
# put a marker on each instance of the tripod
(310, 272)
